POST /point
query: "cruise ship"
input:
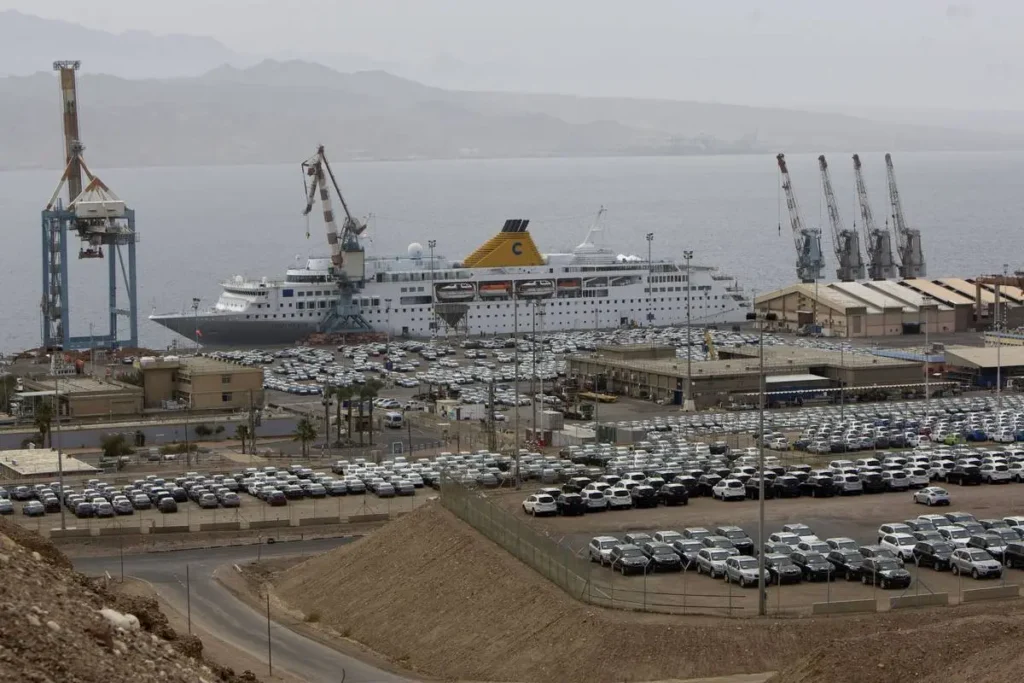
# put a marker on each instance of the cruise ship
(505, 283)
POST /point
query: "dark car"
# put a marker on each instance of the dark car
(777, 548)
(934, 554)
(51, 504)
(786, 486)
(782, 569)
(663, 558)
(994, 544)
(964, 475)
(873, 482)
(706, 483)
(167, 504)
(687, 549)
(884, 572)
(628, 559)
(738, 537)
(847, 563)
(813, 565)
(876, 551)
(753, 486)
(644, 497)
(179, 495)
(818, 486)
(673, 494)
(1014, 555)
(571, 504)
(83, 510)
(276, 498)
(688, 482)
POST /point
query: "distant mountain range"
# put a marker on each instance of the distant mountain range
(273, 111)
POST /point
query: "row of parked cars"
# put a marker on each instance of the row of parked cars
(956, 541)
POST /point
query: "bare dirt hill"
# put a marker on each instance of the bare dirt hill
(433, 595)
(56, 625)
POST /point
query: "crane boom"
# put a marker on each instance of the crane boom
(845, 242)
(880, 262)
(809, 259)
(908, 240)
(319, 169)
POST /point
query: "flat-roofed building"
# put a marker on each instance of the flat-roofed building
(201, 383)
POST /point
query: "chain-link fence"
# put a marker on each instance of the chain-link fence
(574, 572)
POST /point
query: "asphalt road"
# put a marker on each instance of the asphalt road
(217, 611)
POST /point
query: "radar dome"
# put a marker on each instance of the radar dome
(415, 250)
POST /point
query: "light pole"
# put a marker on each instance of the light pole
(842, 382)
(650, 290)
(999, 347)
(60, 455)
(195, 320)
(688, 404)
(433, 312)
(387, 312)
(761, 597)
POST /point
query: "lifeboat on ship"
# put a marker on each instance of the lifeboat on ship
(492, 290)
(455, 291)
(536, 289)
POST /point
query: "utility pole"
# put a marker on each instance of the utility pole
(533, 371)
(195, 320)
(761, 597)
(688, 404)
(515, 361)
(999, 346)
(650, 289)
(326, 391)
(433, 309)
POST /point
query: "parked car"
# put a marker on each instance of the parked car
(884, 572)
(841, 543)
(1014, 555)
(6, 506)
(976, 562)
(538, 504)
(662, 557)
(893, 528)
(846, 562)
(956, 536)
(84, 510)
(720, 542)
(781, 569)
(276, 498)
(934, 554)
(687, 550)
(600, 548)
(628, 559)
(813, 565)
(743, 570)
(33, 508)
(711, 561)
(738, 537)
(167, 505)
(932, 495)
(877, 551)
(571, 504)
(637, 538)
(995, 473)
(901, 544)
(673, 494)
(964, 475)
(995, 545)
(896, 480)
(695, 532)
(596, 501)
(849, 485)
(668, 536)
(644, 496)
(818, 486)
(729, 489)
(786, 486)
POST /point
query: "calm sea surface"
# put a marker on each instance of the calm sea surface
(200, 225)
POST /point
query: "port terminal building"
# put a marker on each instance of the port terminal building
(891, 307)
(200, 383)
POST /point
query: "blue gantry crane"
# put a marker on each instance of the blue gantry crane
(105, 229)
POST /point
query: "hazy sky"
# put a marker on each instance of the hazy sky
(795, 52)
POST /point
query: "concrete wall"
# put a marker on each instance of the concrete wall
(158, 385)
(1010, 590)
(122, 403)
(844, 607)
(922, 600)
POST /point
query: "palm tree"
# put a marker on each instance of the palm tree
(43, 421)
(304, 433)
(343, 394)
(369, 392)
(242, 434)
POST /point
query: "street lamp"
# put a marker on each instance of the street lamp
(195, 320)
(762, 318)
(433, 312)
(387, 342)
(650, 290)
(60, 455)
(999, 346)
(688, 404)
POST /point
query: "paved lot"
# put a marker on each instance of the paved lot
(856, 517)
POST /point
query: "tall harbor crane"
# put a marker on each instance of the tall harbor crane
(809, 259)
(880, 262)
(845, 242)
(908, 240)
(348, 262)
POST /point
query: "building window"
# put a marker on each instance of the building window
(287, 292)
(225, 379)
(225, 397)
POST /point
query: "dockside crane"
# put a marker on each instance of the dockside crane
(809, 259)
(846, 242)
(348, 259)
(880, 262)
(908, 240)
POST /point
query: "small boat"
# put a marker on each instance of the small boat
(455, 291)
(489, 290)
(536, 288)
(568, 284)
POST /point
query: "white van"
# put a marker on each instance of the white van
(393, 420)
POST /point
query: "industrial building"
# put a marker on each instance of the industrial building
(890, 307)
(25, 463)
(81, 397)
(790, 373)
(199, 382)
(978, 366)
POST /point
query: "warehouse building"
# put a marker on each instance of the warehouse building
(790, 372)
(200, 383)
(978, 366)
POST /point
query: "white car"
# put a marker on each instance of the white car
(955, 535)
(995, 473)
(729, 489)
(932, 495)
(1017, 471)
(618, 498)
(902, 545)
(976, 562)
(596, 500)
(541, 504)
(600, 548)
(918, 477)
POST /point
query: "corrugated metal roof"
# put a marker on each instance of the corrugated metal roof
(873, 298)
(985, 356)
(937, 291)
(1014, 294)
(967, 289)
(824, 295)
(913, 299)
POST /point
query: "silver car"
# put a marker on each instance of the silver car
(742, 570)
(600, 548)
(976, 562)
(711, 561)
